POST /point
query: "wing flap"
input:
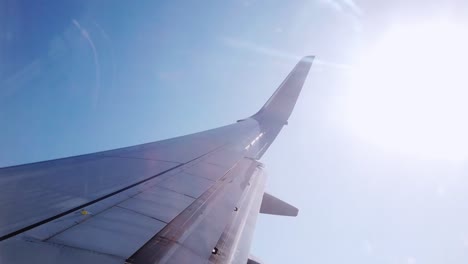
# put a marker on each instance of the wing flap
(198, 228)
(116, 231)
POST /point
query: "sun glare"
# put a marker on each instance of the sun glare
(409, 93)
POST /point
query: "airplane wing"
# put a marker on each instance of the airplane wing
(190, 199)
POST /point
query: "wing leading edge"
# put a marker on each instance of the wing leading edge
(189, 199)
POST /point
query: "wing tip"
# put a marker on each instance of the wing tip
(281, 104)
(309, 58)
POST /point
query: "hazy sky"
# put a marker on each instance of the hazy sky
(83, 76)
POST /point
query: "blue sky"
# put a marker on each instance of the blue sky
(85, 76)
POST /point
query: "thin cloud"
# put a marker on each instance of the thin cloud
(349, 8)
(355, 8)
(85, 35)
(258, 49)
(112, 53)
(368, 247)
(411, 260)
(344, 6)
(271, 52)
(333, 4)
(340, 66)
(21, 78)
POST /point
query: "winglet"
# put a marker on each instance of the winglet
(275, 206)
(282, 102)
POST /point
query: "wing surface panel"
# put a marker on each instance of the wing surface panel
(52, 190)
(197, 229)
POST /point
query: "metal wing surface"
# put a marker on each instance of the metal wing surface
(190, 199)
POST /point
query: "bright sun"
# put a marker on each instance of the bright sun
(409, 93)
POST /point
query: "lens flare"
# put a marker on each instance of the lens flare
(409, 93)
